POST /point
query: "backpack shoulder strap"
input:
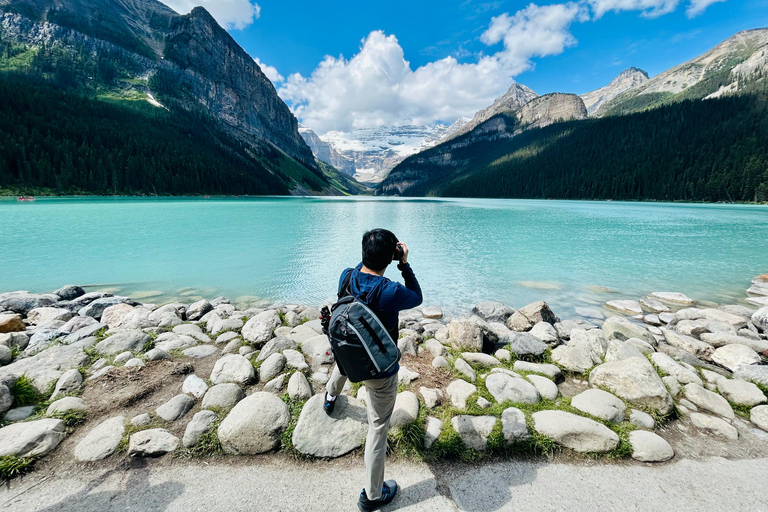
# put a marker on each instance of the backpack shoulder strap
(345, 287)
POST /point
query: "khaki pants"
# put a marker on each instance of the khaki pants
(381, 401)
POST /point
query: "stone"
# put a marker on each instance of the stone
(463, 368)
(41, 340)
(440, 362)
(435, 348)
(618, 350)
(233, 368)
(96, 308)
(201, 423)
(31, 438)
(504, 388)
(634, 380)
(194, 386)
(6, 355)
(196, 310)
(69, 292)
(574, 358)
(407, 345)
(319, 378)
(19, 413)
(474, 430)
(525, 344)
(740, 392)
(600, 404)
(713, 425)
(256, 332)
(113, 316)
(101, 372)
(102, 441)
(673, 298)
(643, 347)
(629, 307)
(406, 409)
(622, 329)
(321, 435)
(525, 318)
(548, 370)
(760, 319)
(652, 320)
(6, 398)
(200, 352)
(298, 387)
(275, 345)
(152, 443)
(295, 359)
(759, 416)
(513, 425)
(271, 367)
(318, 350)
(176, 407)
(44, 369)
(226, 337)
(432, 397)
(137, 318)
(649, 447)
(641, 419)
(503, 355)
(666, 364)
(546, 388)
(654, 305)
(65, 405)
(226, 325)
(254, 425)
(575, 432)
(222, 396)
(459, 391)
(157, 354)
(708, 400)
(465, 335)
(48, 314)
(23, 302)
(81, 333)
(19, 340)
(432, 312)
(122, 358)
(406, 376)
(751, 373)
(123, 340)
(493, 311)
(545, 332)
(433, 431)
(691, 345)
(735, 356)
(141, 420)
(719, 316)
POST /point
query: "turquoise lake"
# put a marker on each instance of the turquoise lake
(292, 250)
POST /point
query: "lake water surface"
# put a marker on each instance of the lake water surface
(292, 250)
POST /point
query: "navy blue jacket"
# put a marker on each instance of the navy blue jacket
(386, 298)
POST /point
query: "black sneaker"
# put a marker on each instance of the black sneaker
(388, 492)
(328, 405)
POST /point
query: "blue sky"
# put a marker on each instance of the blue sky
(401, 62)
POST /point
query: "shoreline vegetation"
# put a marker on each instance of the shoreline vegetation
(86, 377)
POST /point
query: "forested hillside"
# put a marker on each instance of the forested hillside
(713, 150)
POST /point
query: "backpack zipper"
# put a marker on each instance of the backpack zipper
(362, 342)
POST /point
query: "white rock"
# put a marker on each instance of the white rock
(321, 435)
(465, 335)
(141, 420)
(458, 391)
(254, 425)
(503, 355)
(649, 447)
(714, 425)
(673, 298)
(134, 362)
(622, 329)
(233, 368)
(432, 396)
(406, 409)
(546, 388)
(295, 359)
(123, 340)
(31, 438)
(65, 405)
(545, 332)
(642, 420)
(548, 370)
(634, 380)
(708, 400)
(474, 430)
(432, 312)
(463, 367)
(672, 385)
(433, 431)
(276, 385)
(222, 396)
(692, 345)
(618, 350)
(298, 387)
(735, 356)
(600, 404)
(505, 388)
(759, 416)
(654, 305)
(681, 374)
(195, 386)
(440, 362)
(271, 367)
(69, 382)
(480, 359)
(176, 407)
(406, 376)
(152, 443)
(201, 423)
(575, 432)
(574, 358)
(318, 350)
(101, 441)
(629, 307)
(514, 426)
(740, 392)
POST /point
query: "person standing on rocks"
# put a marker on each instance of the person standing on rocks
(385, 298)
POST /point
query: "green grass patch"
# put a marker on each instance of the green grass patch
(208, 446)
(71, 419)
(12, 466)
(131, 429)
(24, 393)
(294, 408)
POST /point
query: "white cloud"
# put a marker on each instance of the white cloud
(270, 71)
(650, 8)
(697, 7)
(377, 86)
(236, 14)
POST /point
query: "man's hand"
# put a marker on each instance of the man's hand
(404, 249)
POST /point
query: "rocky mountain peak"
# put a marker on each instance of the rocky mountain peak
(626, 80)
(516, 96)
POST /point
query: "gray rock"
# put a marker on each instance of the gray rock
(432, 396)
(41, 340)
(760, 319)
(635, 381)
(201, 423)
(546, 388)
(321, 435)
(276, 385)
(406, 376)
(628, 307)
(735, 356)
(45, 368)
(102, 441)
(157, 354)
(103, 370)
(195, 386)
(545, 332)
(680, 373)
(6, 398)
(759, 416)
(740, 392)
(138, 318)
(152, 443)
(649, 447)
(503, 355)
(642, 420)
(233, 368)
(6, 355)
(673, 298)
(643, 347)
(440, 362)
(141, 420)
(600, 404)
(122, 358)
(465, 335)
(64, 405)
(47, 314)
(407, 345)
(406, 409)
(435, 347)
(458, 391)
(654, 305)
(257, 332)
(622, 329)
(433, 431)
(69, 292)
(222, 396)
(575, 432)
(276, 345)
(96, 308)
(525, 318)
(692, 345)
(574, 358)
(176, 407)
(23, 302)
(474, 430)
(14, 339)
(618, 350)
(295, 359)
(714, 426)
(123, 340)
(318, 350)
(708, 400)
(254, 425)
(271, 367)
(464, 368)
(752, 373)
(548, 370)
(196, 310)
(32, 438)
(298, 387)
(200, 352)
(514, 426)
(82, 333)
(19, 413)
(113, 316)
(525, 344)
(493, 311)
(505, 388)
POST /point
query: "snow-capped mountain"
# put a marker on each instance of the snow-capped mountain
(376, 151)
(323, 151)
(516, 96)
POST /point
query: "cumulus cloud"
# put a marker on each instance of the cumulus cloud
(649, 8)
(697, 7)
(270, 71)
(378, 87)
(236, 14)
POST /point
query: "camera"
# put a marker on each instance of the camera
(398, 253)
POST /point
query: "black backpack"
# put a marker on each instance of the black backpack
(362, 346)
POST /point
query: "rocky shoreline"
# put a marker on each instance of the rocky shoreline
(92, 376)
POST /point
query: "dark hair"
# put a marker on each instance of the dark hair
(378, 248)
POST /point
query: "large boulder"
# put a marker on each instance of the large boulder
(113, 316)
(101, 441)
(740, 392)
(466, 335)
(130, 340)
(635, 381)
(222, 396)
(23, 302)
(505, 388)
(96, 308)
(233, 368)
(152, 443)
(525, 318)
(575, 432)
(474, 430)
(321, 435)
(649, 447)
(255, 425)
(11, 322)
(459, 391)
(45, 315)
(44, 369)
(600, 404)
(525, 344)
(735, 356)
(493, 311)
(689, 344)
(257, 332)
(708, 400)
(31, 438)
(622, 329)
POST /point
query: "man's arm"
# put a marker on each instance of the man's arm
(396, 297)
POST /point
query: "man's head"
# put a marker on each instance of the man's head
(378, 248)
